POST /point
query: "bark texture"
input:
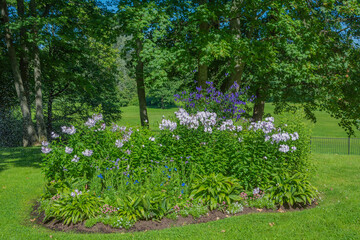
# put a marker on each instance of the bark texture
(29, 135)
(24, 52)
(259, 107)
(141, 85)
(40, 123)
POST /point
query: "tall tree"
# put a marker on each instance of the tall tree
(40, 123)
(29, 135)
(140, 84)
(146, 22)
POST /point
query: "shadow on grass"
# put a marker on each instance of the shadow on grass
(19, 157)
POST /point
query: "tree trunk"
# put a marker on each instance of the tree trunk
(40, 123)
(24, 51)
(259, 107)
(29, 135)
(202, 76)
(141, 85)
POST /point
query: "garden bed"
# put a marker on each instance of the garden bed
(143, 225)
(200, 166)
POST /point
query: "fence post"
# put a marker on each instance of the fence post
(348, 145)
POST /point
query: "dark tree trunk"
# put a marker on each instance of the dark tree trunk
(202, 76)
(141, 85)
(29, 135)
(24, 51)
(259, 107)
(40, 123)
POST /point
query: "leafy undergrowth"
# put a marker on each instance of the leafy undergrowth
(336, 217)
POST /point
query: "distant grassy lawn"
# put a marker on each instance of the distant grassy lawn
(336, 217)
(324, 127)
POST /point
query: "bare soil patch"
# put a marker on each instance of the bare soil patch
(143, 225)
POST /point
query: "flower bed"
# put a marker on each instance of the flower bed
(200, 161)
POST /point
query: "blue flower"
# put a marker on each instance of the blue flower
(182, 191)
(169, 169)
(175, 169)
(127, 183)
(183, 184)
(128, 175)
(168, 176)
(166, 166)
(100, 176)
(136, 181)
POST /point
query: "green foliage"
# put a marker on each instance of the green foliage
(145, 206)
(194, 209)
(234, 207)
(215, 189)
(255, 160)
(291, 190)
(73, 209)
(115, 222)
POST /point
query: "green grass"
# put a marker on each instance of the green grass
(336, 217)
(325, 126)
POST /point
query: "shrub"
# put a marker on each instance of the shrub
(137, 174)
(215, 189)
(291, 190)
(74, 207)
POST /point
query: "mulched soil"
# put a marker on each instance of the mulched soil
(151, 225)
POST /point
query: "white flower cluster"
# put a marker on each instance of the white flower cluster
(68, 150)
(282, 137)
(120, 142)
(167, 124)
(69, 130)
(266, 126)
(45, 147)
(191, 121)
(76, 193)
(54, 135)
(207, 119)
(75, 159)
(91, 122)
(87, 152)
(114, 127)
(228, 125)
(101, 128)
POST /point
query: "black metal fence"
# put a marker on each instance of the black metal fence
(350, 146)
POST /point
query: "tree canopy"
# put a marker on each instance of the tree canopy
(68, 57)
